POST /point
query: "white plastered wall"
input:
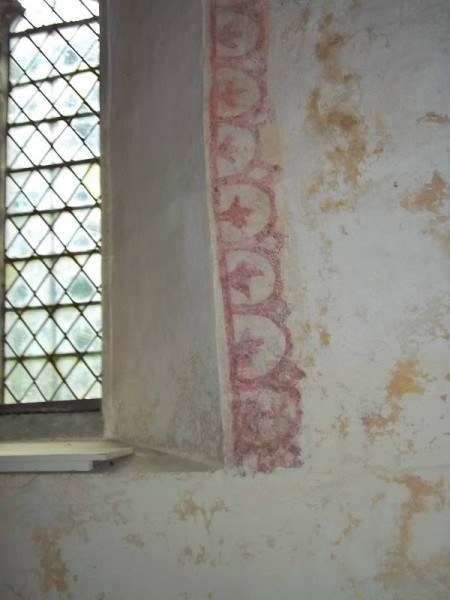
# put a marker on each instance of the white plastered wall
(366, 271)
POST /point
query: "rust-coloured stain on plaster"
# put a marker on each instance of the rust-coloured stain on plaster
(430, 197)
(187, 508)
(341, 426)
(297, 27)
(352, 524)
(325, 21)
(324, 335)
(327, 52)
(338, 123)
(341, 123)
(401, 564)
(378, 498)
(304, 18)
(134, 539)
(331, 206)
(244, 151)
(434, 117)
(189, 556)
(53, 569)
(405, 379)
(443, 239)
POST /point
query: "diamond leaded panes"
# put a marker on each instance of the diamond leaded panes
(52, 305)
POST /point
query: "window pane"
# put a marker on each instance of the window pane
(39, 12)
(62, 96)
(53, 53)
(52, 310)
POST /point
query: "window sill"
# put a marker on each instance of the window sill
(36, 427)
(58, 456)
(55, 406)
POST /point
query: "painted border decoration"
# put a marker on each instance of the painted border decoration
(265, 403)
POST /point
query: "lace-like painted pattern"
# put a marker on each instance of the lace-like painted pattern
(265, 407)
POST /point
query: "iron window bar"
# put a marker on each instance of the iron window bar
(95, 70)
(66, 118)
(60, 165)
(53, 27)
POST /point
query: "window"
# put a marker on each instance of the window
(52, 216)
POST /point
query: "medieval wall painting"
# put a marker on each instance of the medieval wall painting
(265, 403)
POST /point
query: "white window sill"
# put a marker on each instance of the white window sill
(58, 456)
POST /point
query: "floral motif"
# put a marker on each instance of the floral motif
(265, 403)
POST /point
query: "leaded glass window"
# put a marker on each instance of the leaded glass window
(52, 300)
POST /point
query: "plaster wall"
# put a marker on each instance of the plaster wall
(359, 127)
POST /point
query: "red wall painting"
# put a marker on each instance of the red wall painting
(265, 407)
